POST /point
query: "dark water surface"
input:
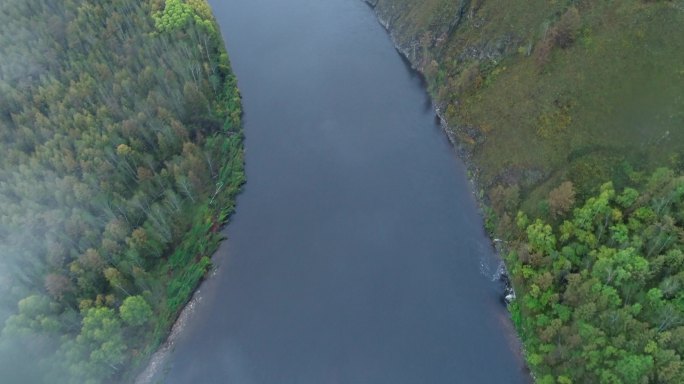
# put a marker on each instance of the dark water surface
(356, 254)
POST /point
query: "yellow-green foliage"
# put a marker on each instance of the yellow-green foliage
(203, 15)
(118, 166)
(201, 9)
(177, 14)
(600, 296)
(572, 93)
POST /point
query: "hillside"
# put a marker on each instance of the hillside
(548, 101)
(539, 92)
(121, 148)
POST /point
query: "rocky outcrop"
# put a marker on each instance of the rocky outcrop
(386, 14)
(411, 44)
(462, 8)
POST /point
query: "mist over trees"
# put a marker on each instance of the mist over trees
(121, 155)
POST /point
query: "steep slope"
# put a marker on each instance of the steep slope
(538, 90)
(548, 101)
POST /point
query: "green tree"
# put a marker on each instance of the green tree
(135, 311)
(98, 352)
(602, 301)
(118, 122)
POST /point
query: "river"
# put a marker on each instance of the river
(357, 253)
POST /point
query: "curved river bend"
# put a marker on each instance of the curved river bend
(356, 254)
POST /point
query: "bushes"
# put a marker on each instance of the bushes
(562, 34)
(565, 30)
(561, 199)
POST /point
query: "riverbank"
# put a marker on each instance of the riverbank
(539, 113)
(464, 153)
(506, 78)
(507, 293)
(191, 262)
(122, 157)
(154, 367)
(343, 260)
(155, 364)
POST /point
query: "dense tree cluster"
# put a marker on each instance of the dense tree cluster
(601, 291)
(121, 141)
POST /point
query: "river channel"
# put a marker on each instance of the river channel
(357, 253)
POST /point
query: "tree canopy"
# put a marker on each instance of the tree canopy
(121, 146)
(601, 291)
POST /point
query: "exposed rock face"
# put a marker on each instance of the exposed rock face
(418, 45)
(508, 294)
(387, 14)
(421, 44)
(393, 16)
(413, 39)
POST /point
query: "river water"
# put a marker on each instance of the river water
(357, 253)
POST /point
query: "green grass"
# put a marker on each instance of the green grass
(611, 98)
(607, 107)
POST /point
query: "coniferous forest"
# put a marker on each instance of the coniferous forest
(121, 147)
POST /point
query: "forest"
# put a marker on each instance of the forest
(601, 284)
(570, 115)
(121, 142)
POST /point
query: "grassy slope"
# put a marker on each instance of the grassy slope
(608, 106)
(613, 96)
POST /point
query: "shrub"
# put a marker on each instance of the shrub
(562, 34)
(561, 199)
(565, 30)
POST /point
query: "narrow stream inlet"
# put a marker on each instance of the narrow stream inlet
(357, 254)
